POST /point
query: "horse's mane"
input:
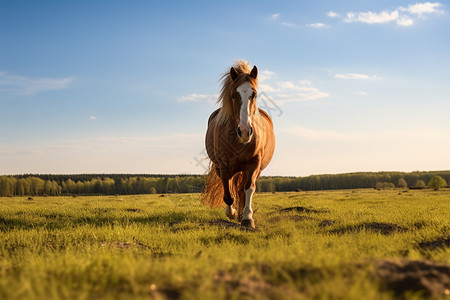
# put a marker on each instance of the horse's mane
(229, 85)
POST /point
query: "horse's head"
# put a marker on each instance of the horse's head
(243, 100)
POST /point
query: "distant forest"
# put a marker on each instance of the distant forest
(126, 184)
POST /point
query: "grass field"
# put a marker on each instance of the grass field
(362, 244)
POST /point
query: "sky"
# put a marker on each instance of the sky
(128, 86)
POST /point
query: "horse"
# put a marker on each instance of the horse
(240, 143)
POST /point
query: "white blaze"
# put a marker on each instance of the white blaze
(245, 90)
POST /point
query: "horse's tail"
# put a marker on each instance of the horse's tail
(212, 193)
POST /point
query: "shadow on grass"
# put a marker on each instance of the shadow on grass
(301, 209)
(383, 228)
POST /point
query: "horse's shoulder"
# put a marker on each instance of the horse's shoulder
(265, 115)
(213, 115)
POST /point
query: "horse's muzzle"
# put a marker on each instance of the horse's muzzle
(245, 134)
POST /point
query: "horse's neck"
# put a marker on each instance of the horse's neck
(256, 117)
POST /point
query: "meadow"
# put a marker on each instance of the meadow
(342, 244)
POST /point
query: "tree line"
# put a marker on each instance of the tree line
(125, 184)
(378, 180)
(53, 185)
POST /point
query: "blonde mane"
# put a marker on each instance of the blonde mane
(229, 86)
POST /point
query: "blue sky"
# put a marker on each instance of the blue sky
(127, 87)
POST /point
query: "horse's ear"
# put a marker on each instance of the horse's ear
(254, 72)
(233, 73)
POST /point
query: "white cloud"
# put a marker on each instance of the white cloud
(332, 14)
(317, 25)
(423, 8)
(274, 17)
(361, 93)
(402, 16)
(31, 86)
(92, 118)
(372, 18)
(303, 86)
(405, 21)
(198, 97)
(302, 90)
(266, 88)
(291, 91)
(265, 75)
(280, 91)
(355, 76)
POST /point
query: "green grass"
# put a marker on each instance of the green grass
(171, 247)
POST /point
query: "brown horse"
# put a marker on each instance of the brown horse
(240, 143)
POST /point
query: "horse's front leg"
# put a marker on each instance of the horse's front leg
(230, 211)
(253, 172)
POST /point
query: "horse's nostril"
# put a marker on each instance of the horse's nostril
(239, 131)
(251, 130)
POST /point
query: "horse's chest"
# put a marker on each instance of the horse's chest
(234, 153)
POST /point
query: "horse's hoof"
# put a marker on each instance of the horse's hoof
(231, 212)
(248, 223)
